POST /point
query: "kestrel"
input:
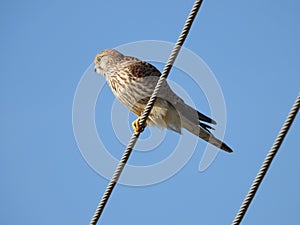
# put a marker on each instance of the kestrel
(132, 81)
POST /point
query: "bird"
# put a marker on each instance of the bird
(132, 81)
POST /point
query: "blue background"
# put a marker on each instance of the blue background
(45, 46)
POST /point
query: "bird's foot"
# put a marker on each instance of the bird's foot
(136, 126)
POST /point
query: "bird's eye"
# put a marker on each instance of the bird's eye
(99, 58)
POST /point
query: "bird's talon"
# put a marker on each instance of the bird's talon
(136, 126)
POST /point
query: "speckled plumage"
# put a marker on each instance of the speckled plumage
(132, 81)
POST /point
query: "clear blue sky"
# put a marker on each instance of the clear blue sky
(45, 46)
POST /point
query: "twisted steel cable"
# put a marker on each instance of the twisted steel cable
(267, 162)
(146, 112)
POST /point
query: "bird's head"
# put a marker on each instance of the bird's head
(105, 60)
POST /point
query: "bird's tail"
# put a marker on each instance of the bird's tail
(193, 121)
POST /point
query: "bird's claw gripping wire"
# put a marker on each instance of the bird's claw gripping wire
(137, 127)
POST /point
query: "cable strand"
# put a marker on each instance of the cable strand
(267, 162)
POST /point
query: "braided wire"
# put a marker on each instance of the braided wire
(267, 162)
(146, 112)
